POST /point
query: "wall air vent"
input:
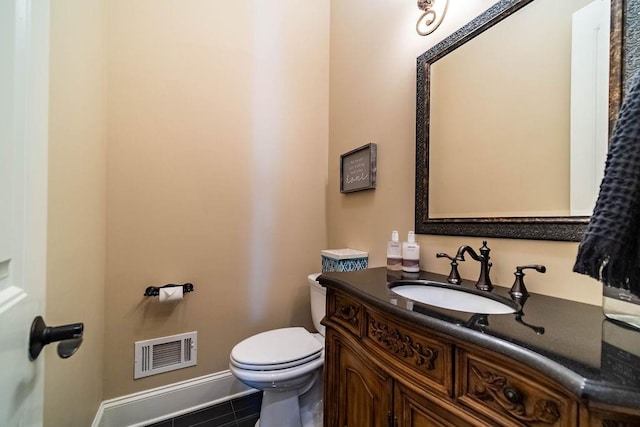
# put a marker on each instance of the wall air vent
(165, 354)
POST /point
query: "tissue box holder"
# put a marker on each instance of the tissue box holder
(344, 260)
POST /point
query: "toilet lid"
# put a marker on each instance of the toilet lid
(276, 347)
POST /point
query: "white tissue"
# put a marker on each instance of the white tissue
(172, 294)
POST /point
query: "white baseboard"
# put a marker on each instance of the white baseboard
(158, 404)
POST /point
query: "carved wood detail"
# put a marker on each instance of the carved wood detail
(403, 345)
(347, 312)
(493, 387)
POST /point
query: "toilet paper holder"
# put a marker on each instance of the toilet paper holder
(154, 291)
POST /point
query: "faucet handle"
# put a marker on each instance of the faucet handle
(518, 290)
(454, 277)
(536, 267)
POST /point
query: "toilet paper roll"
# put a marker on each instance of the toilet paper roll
(171, 294)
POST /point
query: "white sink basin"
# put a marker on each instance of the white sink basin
(453, 297)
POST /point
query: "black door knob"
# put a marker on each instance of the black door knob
(70, 337)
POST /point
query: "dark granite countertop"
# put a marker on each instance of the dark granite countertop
(571, 342)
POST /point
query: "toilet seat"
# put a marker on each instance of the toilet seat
(276, 366)
(292, 377)
(277, 349)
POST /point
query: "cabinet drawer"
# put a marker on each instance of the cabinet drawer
(510, 394)
(424, 359)
(345, 311)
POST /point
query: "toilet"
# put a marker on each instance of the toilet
(286, 364)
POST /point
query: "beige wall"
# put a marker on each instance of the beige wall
(76, 236)
(216, 172)
(373, 81)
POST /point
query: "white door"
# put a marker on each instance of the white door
(589, 104)
(24, 71)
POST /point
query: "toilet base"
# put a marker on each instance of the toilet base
(291, 409)
(311, 405)
(279, 409)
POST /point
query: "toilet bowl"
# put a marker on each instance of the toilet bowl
(286, 364)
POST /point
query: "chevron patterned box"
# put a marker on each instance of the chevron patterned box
(344, 260)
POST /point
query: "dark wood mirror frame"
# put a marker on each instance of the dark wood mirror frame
(536, 228)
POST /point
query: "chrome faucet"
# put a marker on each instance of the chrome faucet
(484, 282)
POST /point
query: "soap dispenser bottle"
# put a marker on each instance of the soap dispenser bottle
(411, 254)
(394, 253)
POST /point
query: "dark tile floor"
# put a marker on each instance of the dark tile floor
(241, 412)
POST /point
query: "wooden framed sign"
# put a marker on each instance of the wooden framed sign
(358, 169)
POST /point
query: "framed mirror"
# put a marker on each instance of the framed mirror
(495, 153)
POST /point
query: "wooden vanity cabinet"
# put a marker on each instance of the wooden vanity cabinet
(365, 395)
(382, 371)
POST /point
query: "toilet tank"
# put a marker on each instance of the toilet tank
(318, 301)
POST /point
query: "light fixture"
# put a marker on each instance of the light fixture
(429, 21)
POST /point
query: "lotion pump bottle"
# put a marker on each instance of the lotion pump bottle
(394, 253)
(411, 254)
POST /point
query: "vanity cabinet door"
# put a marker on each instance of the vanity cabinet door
(419, 410)
(363, 391)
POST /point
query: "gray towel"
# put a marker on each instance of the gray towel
(610, 249)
